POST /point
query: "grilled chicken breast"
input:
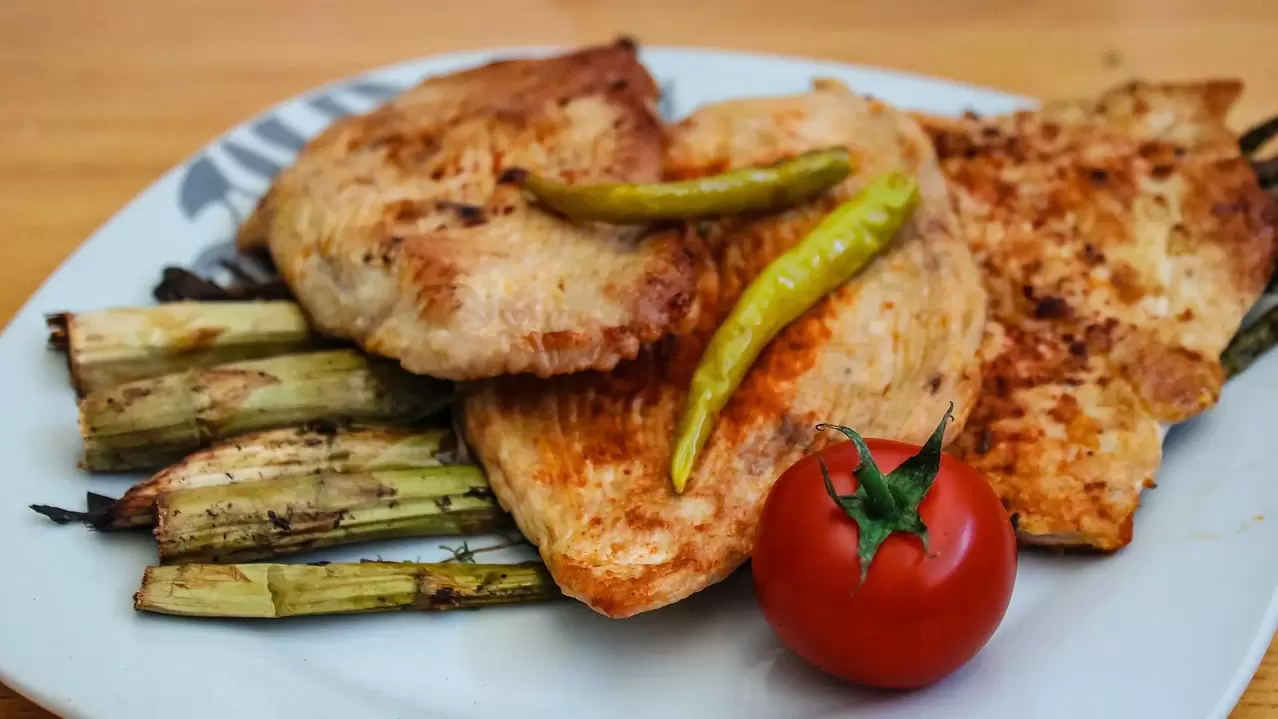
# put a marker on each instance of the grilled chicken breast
(1122, 240)
(393, 230)
(583, 461)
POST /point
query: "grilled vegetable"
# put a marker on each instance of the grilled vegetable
(317, 448)
(253, 278)
(758, 189)
(1266, 173)
(153, 422)
(274, 591)
(1250, 343)
(111, 347)
(845, 241)
(254, 520)
(1257, 137)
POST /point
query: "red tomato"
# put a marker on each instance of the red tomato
(918, 616)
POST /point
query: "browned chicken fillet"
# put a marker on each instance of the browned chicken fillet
(1188, 114)
(393, 230)
(1122, 241)
(583, 461)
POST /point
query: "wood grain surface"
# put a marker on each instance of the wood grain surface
(97, 99)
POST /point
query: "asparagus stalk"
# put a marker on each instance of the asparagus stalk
(111, 347)
(149, 423)
(275, 591)
(1250, 343)
(316, 448)
(255, 520)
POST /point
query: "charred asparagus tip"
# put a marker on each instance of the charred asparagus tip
(1266, 173)
(61, 516)
(273, 591)
(59, 339)
(178, 284)
(1250, 343)
(1255, 138)
(97, 513)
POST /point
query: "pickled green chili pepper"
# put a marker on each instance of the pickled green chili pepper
(836, 250)
(755, 189)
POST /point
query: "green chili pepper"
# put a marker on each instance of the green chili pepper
(756, 189)
(836, 250)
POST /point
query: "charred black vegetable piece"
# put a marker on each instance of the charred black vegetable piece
(1255, 138)
(1250, 343)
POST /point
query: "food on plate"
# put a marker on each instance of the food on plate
(1250, 343)
(839, 247)
(895, 580)
(582, 461)
(253, 277)
(753, 189)
(110, 347)
(530, 227)
(275, 591)
(314, 448)
(392, 229)
(1254, 140)
(1267, 176)
(1189, 113)
(148, 423)
(1122, 242)
(255, 520)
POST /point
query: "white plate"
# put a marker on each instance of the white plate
(1173, 626)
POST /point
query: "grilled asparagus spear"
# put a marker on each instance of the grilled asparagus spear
(148, 423)
(111, 347)
(316, 448)
(1250, 343)
(255, 520)
(274, 591)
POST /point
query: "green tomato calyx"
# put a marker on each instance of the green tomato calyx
(887, 503)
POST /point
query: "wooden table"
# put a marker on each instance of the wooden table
(97, 98)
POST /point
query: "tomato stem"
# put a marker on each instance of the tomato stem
(884, 504)
(869, 476)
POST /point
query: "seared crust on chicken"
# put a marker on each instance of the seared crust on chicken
(1122, 241)
(583, 461)
(393, 229)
